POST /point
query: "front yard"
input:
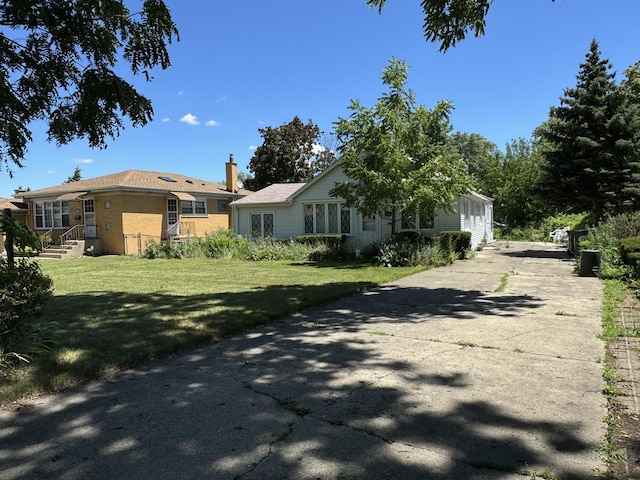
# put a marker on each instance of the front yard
(108, 313)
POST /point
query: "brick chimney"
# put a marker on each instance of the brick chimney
(232, 175)
(17, 193)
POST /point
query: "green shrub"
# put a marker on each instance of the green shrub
(223, 243)
(24, 291)
(402, 252)
(457, 244)
(575, 221)
(192, 248)
(604, 238)
(332, 241)
(630, 251)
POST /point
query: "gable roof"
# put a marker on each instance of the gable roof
(141, 180)
(15, 204)
(276, 193)
(282, 192)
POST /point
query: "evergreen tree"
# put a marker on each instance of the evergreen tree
(76, 177)
(591, 145)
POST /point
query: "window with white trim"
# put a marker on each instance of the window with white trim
(262, 225)
(197, 208)
(53, 214)
(328, 217)
(423, 222)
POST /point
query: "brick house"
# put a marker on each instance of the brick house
(119, 213)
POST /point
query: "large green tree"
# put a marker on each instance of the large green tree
(506, 176)
(287, 154)
(57, 65)
(592, 145)
(514, 180)
(481, 157)
(397, 154)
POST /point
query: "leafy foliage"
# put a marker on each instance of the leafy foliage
(509, 178)
(449, 21)
(398, 155)
(24, 291)
(23, 238)
(225, 244)
(592, 146)
(287, 155)
(402, 251)
(457, 243)
(58, 66)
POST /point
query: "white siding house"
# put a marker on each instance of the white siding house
(287, 210)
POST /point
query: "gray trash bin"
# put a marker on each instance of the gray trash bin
(589, 263)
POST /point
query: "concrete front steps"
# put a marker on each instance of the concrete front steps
(70, 249)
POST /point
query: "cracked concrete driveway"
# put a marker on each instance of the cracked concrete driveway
(487, 369)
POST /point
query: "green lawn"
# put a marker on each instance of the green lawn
(114, 312)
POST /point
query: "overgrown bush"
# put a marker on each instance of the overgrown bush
(457, 243)
(606, 238)
(540, 232)
(405, 250)
(223, 243)
(174, 250)
(274, 249)
(24, 291)
(630, 251)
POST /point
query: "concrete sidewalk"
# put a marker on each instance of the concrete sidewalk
(441, 375)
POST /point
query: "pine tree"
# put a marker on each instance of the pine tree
(591, 155)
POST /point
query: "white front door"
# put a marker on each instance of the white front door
(89, 219)
(369, 229)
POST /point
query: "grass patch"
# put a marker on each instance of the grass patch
(615, 292)
(503, 283)
(109, 313)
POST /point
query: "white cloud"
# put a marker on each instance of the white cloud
(223, 98)
(50, 172)
(212, 123)
(82, 160)
(252, 147)
(166, 120)
(190, 119)
(180, 92)
(317, 148)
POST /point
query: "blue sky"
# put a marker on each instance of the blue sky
(248, 64)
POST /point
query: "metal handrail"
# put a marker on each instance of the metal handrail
(46, 239)
(74, 233)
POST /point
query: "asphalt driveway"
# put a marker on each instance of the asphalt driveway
(487, 369)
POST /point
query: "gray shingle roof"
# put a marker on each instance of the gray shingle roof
(276, 193)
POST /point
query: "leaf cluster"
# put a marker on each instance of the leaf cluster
(449, 21)
(287, 155)
(58, 65)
